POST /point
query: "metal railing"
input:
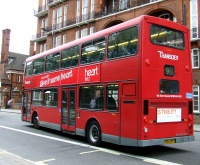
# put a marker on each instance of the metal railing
(107, 10)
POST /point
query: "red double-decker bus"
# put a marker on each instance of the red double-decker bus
(130, 84)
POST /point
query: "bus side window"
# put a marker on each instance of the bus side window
(112, 91)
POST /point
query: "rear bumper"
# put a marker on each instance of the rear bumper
(153, 142)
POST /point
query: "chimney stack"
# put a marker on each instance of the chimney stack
(5, 45)
(31, 49)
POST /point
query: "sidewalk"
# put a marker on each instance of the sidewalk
(196, 126)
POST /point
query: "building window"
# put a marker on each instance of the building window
(59, 17)
(18, 78)
(92, 9)
(84, 32)
(195, 58)
(45, 47)
(91, 30)
(64, 38)
(78, 11)
(194, 18)
(77, 35)
(196, 98)
(65, 15)
(42, 27)
(84, 10)
(123, 4)
(41, 48)
(58, 41)
(54, 19)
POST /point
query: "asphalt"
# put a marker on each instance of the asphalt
(10, 159)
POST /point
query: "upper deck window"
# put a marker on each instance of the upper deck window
(29, 68)
(123, 43)
(93, 51)
(167, 37)
(70, 57)
(52, 61)
(38, 65)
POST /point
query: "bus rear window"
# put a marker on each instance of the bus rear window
(167, 37)
(169, 86)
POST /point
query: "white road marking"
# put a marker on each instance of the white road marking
(88, 152)
(15, 157)
(146, 159)
(43, 162)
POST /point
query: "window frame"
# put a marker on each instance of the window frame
(193, 56)
(196, 99)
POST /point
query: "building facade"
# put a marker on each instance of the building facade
(62, 21)
(11, 73)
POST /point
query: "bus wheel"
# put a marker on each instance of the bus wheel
(94, 133)
(35, 121)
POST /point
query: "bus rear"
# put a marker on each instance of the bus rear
(166, 83)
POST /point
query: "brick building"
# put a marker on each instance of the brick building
(11, 72)
(61, 21)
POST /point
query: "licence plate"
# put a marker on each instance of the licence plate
(170, 141)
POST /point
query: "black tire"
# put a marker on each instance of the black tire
(35, 121)
(94, 133)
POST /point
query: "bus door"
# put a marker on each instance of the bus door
(129, 115)
(68, 109)
(26, 107)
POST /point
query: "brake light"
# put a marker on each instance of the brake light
(190, 117)
(145, 120)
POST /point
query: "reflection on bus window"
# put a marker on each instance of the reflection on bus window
(70, 57)
(167, 37)
(52, 62)
(37, 97)
(112, 97)
(38, 66)
(29, 68)
(123, 43)
(169, 86)
(91, 97)
(51, 97)
(93, 51)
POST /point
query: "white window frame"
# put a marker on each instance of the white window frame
(59, 18)
(41, 48)
(58, 40)
(91, 29)
(196, 99)
(92, 9)
(54, 19)
(65, 14)
(64, 38)
(194, 18)
(42, 26)
(84, 10)
(78, 11)
(45, 47)
(123, 4)
(195, 58)
(84, 32)
(77, 35)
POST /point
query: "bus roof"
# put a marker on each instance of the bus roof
(107, 31)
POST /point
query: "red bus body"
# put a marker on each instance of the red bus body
(146, 115)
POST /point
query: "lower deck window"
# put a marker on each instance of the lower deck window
(169, 86)
(51, 97)
(91, 97)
